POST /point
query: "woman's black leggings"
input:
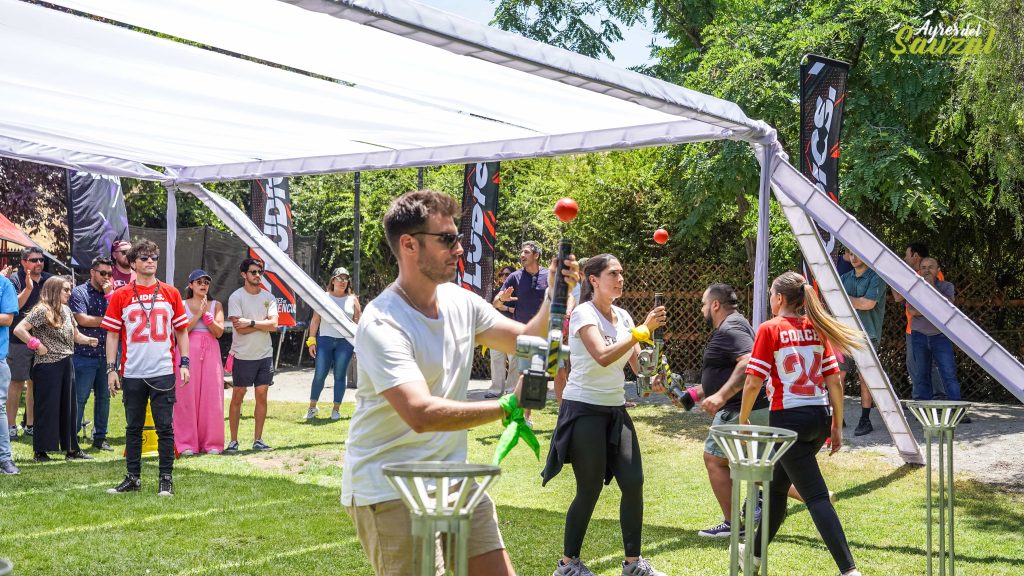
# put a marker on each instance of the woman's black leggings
(799, 467)
(588, 453)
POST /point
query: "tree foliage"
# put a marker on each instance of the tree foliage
(34, 197)
(932, 147)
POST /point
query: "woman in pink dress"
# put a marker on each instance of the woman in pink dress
(199, 410)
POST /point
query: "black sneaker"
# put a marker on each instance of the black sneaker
(30, 430)
(863, 427)
(129, 484)
(77, 455)
(102, 445)
(41, 457)
(166, 486)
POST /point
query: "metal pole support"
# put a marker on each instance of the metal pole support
(441, 497)
(939, 419)
(752, 452)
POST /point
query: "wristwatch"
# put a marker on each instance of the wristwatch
(183, 362)
(252, 323)
(111, 367)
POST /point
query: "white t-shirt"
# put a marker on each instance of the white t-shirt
(259, 306)
(589, 381)
(397, 345)
(348, 305)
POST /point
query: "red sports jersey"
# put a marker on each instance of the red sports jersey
(146, 327)
(793, 362)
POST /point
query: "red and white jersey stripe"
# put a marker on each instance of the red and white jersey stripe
(793, 361)
(146, 318)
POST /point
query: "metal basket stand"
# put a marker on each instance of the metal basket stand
(752, 452)
(441, 497)
(939, 419)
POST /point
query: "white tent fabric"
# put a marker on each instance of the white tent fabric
(392, 102)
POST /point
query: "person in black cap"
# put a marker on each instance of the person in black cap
(331, 348)
(199, 411)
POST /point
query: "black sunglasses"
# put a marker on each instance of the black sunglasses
(255, 272)
(449, 239)
(34, 260)
(104, 273)
(147, 258)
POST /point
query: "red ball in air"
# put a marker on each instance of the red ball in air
(566, 209)
(661, 236)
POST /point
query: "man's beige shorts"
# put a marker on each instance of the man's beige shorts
(385, 532)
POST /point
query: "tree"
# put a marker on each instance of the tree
(34, 197)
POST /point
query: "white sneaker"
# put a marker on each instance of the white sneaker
(529, 423)
(853, 572)
(574, 568)
(213, 451)
(641, 567)
(311, 413)
(187, 453)
(335, 415)
(757, 562)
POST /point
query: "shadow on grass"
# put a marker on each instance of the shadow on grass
(536, 551)
(672, 422)
(856, 546)
(866, 487)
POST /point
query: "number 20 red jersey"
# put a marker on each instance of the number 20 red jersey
(146, 327)
(794, 361)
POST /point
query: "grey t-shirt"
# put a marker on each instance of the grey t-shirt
(924, 325)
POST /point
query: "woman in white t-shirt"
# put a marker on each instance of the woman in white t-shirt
(601, 341)
(330, 348)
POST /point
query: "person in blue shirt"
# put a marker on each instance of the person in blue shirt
(8, 310)
(866, 290)
(89, 305)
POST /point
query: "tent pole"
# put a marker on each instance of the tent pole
(356, 223)
(172, 233)
(760, 304)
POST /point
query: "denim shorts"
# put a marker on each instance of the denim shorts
(726, 416)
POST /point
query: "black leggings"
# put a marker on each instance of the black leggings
(588, 454)
(799, 467)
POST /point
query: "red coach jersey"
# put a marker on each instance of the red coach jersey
(793, 361)
(146, 318)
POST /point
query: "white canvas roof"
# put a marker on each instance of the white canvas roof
(115, 96)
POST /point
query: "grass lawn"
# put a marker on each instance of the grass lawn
(278, 512)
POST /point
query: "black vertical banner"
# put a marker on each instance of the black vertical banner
(822, 99)
(97, 215)
(271, 211)
(478, 227)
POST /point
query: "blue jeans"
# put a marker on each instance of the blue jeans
(91, 374)
(331, 353)
(938, 349)
(5, 382)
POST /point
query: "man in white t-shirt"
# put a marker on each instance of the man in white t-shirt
(253, 314)
(415, 344)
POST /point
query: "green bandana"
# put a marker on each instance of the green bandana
(515, 428)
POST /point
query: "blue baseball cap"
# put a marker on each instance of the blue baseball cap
(197, 274)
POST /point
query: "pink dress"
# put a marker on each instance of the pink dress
(199, 410)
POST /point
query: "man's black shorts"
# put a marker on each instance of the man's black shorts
(246, 373)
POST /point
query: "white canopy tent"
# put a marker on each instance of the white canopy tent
(341, 85)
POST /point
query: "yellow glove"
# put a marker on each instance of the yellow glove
(643, 334)
(311, 341)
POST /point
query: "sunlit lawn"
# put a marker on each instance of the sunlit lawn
(278, 512)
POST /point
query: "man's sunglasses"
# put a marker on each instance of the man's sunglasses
(255, 272)
(34, 260)
(104, 273)
(449, 239)
(147, 258)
